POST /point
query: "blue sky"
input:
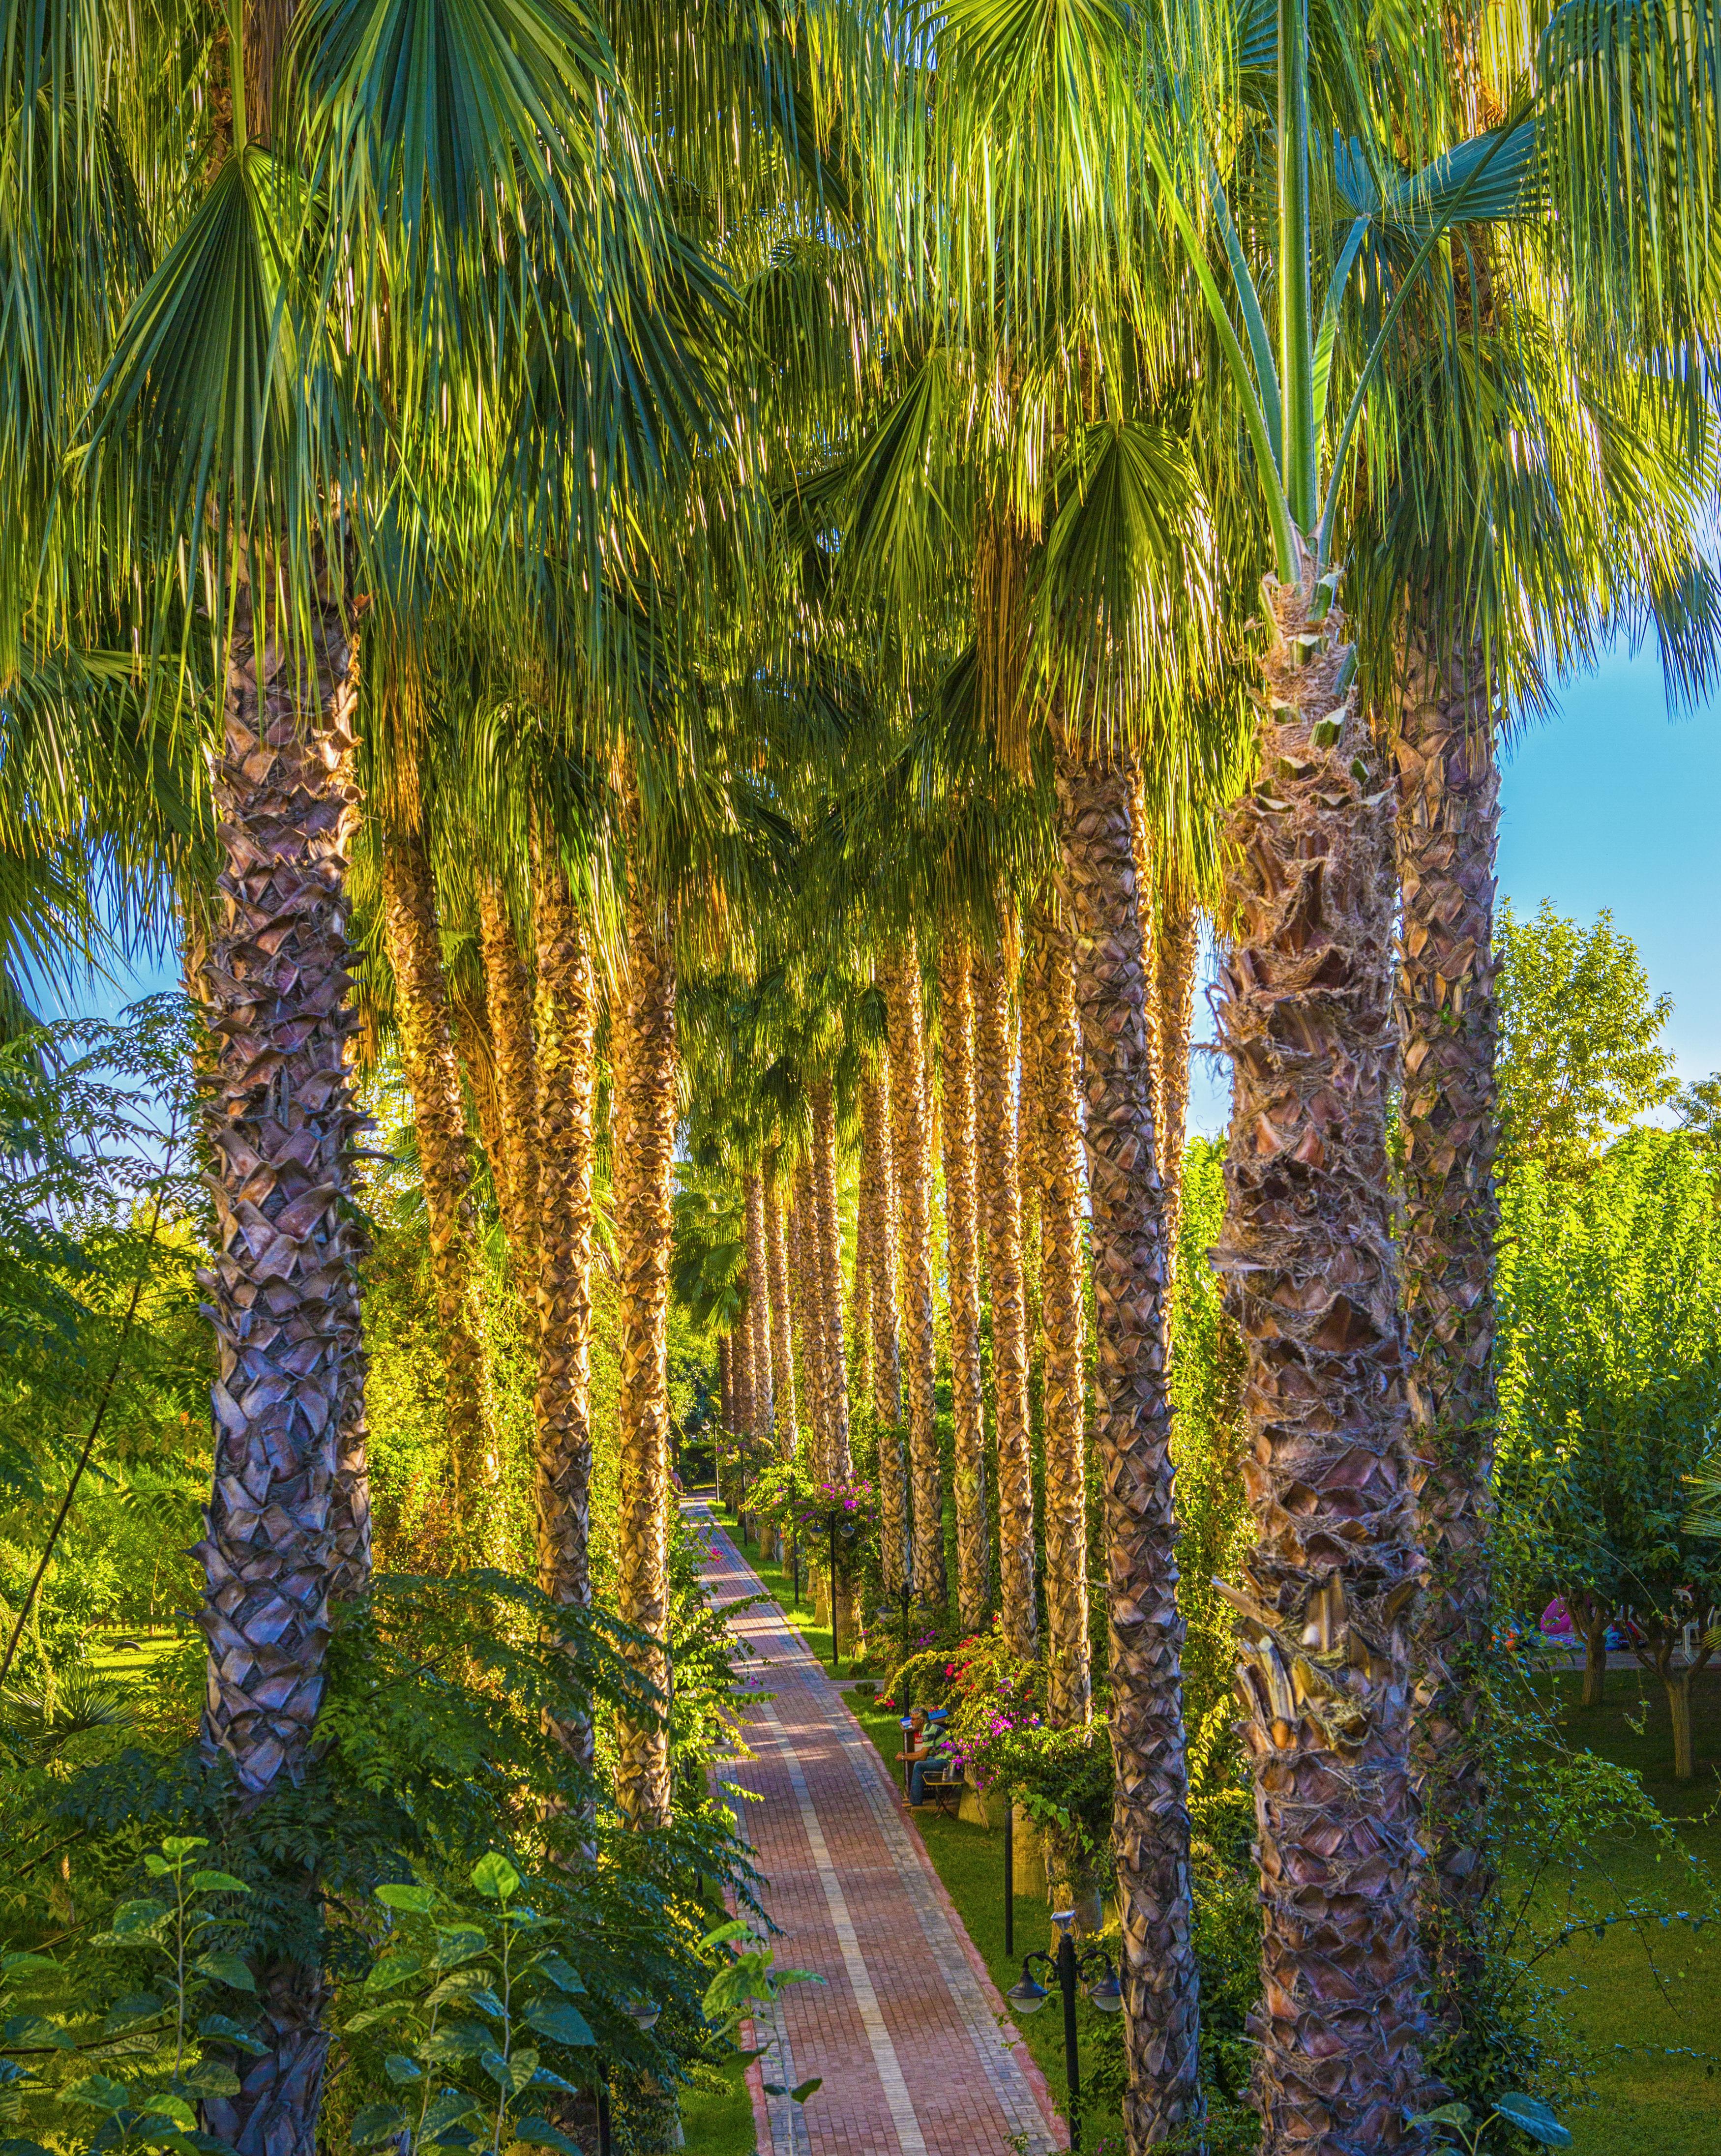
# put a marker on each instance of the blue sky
(1610, 804)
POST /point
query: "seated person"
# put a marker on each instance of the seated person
(928, 1746)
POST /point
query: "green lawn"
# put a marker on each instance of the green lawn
(1645, 2003)
(720, 2123)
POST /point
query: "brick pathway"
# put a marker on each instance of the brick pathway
(907, 2032)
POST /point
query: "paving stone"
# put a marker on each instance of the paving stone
(907, 2033)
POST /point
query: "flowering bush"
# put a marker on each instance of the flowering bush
(989, 1690)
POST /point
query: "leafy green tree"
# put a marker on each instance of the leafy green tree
(1581, 1050)
(1609, 1392)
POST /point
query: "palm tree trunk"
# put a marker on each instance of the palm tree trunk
(508, 998)
(469, 1032)
(1449, 796)
(995, 1124)
(878, 1187)
(1325, 1665)
(558, 1174)
(804, 1305)
(839, 1464)
(1177, 950)
(759, 1304)
(741, 1374)
(911, 1156)
(1048, 1022)
(782, 1343)
(956, 1029)
(645, 1160)
(861, 1297)
(433, 1078)
(283, 1292)
(1150, 1830)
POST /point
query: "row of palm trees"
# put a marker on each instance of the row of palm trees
(692, 524)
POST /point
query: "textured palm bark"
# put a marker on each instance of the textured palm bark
(279, 2096)
(804, 1307)
(861, 1297)
(782, 1339)
(1049, 1023)
(1448, 828)
(644, 1162)
(956, 1032)
(282, 1288)
(561, 1153)
(1312, 1278)
(759, 1304)
(508, 998)
(432, 1079)
(1177, 947)
(1001, 1205)
(725, 1401)
(350, 1506)
(468, 1026)
(879, 1196)
(838, 1460)
(1150, 1830)
(1141, 851)
(741, 1372)
(910, 1155)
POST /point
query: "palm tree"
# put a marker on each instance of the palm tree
(828, 1283)
(910, 1157)
(1049, 1065)
(878, 1194)
(807, 1307)
(507, 994)
(645, 1136)
(758, 1309)
(560, 1152)
(782, 1349)
(995, 1126)
(432, 1079)
(956, 1031)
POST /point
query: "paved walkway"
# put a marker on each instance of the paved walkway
(907, 2032)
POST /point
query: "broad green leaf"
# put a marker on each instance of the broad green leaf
(495, 1877)
(446, 2108)
(378, 2123)
(510, 2074)
(1530, 2116)
(181, 1845)
(157, 1867)
(803, 2090)
(458, 1943)
(25, 1964)
(136, 1920)
(394, 1969)
(135, 2006)
(400, 2069)
(737, 1929)
(456, 2040)
(372, 2014)
(222, 2028)
(14, 2147)
(174, 2108)
(561, 1975)
(26, 2031)
(218, 1882)
(417, 1900)
(1449, 2114)
(209, 2077)
(539, 2133)
(560, 2022)
(101, 2091)
(225, 1968)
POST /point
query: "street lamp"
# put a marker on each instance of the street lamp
(841, 1523)
(1067, 1968)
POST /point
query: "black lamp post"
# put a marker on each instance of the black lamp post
(840, 1524)
(1010, 1874)
(1067, 1968)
